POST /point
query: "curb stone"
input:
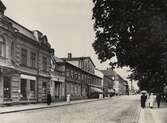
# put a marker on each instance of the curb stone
(52, 106)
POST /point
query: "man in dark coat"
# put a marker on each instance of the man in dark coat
(158, 99)
(49, 99)
(143, 100)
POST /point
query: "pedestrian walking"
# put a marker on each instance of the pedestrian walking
(49, 99)
(143, 100)
(158, 99)
(151, 100)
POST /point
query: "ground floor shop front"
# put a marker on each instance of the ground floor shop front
(22, 88)
(76, 90)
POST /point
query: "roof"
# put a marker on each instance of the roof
(67, 63)
(56, 59)
(23, 30)
(109, 72)
(78, 58)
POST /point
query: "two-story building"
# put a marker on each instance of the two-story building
(91, 83)
(24, 62)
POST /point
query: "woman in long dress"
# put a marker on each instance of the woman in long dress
(151, 100)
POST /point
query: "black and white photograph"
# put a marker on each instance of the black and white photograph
(83, 61)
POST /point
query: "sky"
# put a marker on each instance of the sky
(68, 25)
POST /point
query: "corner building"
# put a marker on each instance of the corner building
(24, 63)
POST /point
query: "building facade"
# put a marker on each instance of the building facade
(24, 62)
(92, 83)
(114, 83)
(108, 81)
(79, 83)
(57, 85)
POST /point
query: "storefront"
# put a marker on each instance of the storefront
(27, 88)
(8, 85)
(94, 92)
(58, 88)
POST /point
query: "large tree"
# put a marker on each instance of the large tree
(135, 32)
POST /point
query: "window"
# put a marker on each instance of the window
(67, 73)
(24, 57)
(72, 74)
(7, 87)
(44, 63)
(2, 47)
(33, 60)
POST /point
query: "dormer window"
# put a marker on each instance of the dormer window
(2, 47)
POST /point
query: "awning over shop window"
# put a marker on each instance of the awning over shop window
(111, 91)
(28, 77)
(93, 89)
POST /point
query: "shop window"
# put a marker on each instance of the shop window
(7, 87)
(44, 87)
(24, 57)
(32, 89)
(32, 85)
(33, 60)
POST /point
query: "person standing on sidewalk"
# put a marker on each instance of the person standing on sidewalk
(49, 99)
(143, 100)
(158, 99)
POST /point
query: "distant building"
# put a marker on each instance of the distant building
(113, 82)
(108, 82)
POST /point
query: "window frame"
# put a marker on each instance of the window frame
(33, 59)
(24, 57)
(2, 47)
(44, 63)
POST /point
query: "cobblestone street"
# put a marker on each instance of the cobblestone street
(123, 109)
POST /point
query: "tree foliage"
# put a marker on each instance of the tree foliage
(135, 32)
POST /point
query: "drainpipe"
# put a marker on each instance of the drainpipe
(38, 52)
(65, 88)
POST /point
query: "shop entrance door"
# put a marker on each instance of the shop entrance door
(23, 89)
(44, 87)
(57, 90)
(7, 88)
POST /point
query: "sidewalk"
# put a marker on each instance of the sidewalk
(19, 108)
(155, 115)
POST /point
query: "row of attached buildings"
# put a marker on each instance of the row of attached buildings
(29, 69)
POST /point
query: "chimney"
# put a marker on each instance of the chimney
(69, 55)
